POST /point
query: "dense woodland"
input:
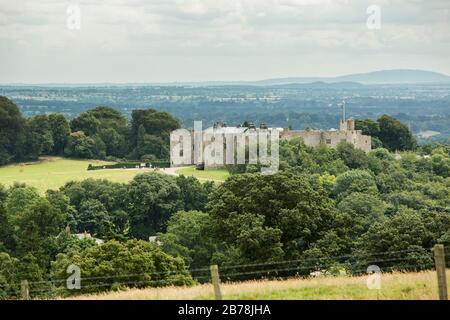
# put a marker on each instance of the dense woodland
(99, 133)
(104, 133)
(326, 208)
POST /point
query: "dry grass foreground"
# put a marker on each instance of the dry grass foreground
(394, 286)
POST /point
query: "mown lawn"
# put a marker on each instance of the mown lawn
(218, 175)
(54, 172)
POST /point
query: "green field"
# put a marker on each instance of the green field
(54, 172)
(218, 175)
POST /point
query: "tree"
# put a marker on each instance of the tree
(99, 205)
(152, 199)
(60, 129)
(81, 146)
(115, 265)
(366, 208)
(85, 122)
(8, 275)
(441, 164)
(12, 132)
(19, 199)
(388, 131)
(194, 194)
(39, 136)
(400, 238)
(107, 127)
(33, 228)
(355, 181)
(150, 132)
(93, 218)
(395, 135)
(352, 157)
(280, 212)
(186, 238)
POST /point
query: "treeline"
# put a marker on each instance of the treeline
(99, 133)
(104, 133)
(327, 209)
(38, 233)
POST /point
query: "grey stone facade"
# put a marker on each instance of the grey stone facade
(211, 139)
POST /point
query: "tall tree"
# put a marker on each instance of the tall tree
(150, 132)
(152, 199)
(60, 129)
(12, 132)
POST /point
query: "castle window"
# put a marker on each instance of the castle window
(328, 141)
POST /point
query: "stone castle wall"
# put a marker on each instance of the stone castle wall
(311, 137)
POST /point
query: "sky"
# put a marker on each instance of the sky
(123, 41)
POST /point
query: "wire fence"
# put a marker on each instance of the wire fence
(350, 264)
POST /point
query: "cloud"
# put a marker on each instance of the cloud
(129, 30)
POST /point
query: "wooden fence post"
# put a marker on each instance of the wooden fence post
(24, 290)
(439, 260)
(216, 281)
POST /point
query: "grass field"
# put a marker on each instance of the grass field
(54, 172)
(218, 175)
(394, 286)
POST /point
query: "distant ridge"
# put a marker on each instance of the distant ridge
(400, 76)
(397, 76)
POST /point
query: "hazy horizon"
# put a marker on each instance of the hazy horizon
(138, 41)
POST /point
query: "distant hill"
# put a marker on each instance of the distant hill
(376, 77)
(399, 76)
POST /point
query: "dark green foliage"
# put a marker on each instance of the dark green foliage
(106, 125)
(193, 194)
(12, 132)
(269, 217)
(352, 157)
(80, 145)
(60, 129)
(98, 133)
(98, 208)
(186, 237)
(355, 181)
(152, 199)
(405, 236)
(114, 265)
(150, 132)
(392, 134)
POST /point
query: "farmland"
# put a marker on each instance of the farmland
(398, 286)
(54, 172)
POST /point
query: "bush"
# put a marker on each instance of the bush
(114, 265)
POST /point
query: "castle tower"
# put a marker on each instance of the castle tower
(347, 125)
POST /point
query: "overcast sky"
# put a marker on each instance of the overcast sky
(199, 40)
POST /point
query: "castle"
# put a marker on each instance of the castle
(332, 137)
(204, 141)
